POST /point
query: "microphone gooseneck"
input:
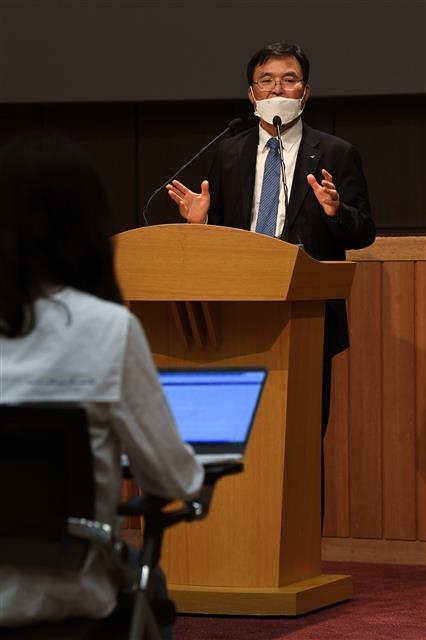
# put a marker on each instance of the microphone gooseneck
(277, 122)
(230, 128)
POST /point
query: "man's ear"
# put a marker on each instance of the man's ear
(251, 95)
(306, 94)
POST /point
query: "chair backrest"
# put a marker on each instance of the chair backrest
(46, 476)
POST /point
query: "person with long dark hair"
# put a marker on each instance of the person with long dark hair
(65, 336)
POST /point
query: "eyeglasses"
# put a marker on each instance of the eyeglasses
(268, 83)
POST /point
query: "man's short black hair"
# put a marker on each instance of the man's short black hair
(278, 50)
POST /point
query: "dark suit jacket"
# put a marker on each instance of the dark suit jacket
(231, 187)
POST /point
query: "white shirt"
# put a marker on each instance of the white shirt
(291, 142)
(93, 352)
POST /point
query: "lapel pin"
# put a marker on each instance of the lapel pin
(312, 156)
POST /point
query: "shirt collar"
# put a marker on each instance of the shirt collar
(289, 137)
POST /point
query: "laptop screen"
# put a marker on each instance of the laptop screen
(214, 409)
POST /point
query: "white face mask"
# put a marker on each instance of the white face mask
(288, 109)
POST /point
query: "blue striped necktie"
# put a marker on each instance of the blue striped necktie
(268, 205)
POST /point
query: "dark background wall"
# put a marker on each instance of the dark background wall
(143, 85)
(136, 147)
(139, 50)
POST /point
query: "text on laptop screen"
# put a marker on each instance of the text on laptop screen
(213, 405)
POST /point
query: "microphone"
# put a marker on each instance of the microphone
(231, 127)
(277, 122)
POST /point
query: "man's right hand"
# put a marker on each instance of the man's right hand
(193, 206)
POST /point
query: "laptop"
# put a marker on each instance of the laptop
(214, 408)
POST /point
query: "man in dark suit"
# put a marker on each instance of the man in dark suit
(322, 203)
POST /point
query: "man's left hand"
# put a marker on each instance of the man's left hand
(326, 193)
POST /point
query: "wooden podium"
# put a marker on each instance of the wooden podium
(216, 296)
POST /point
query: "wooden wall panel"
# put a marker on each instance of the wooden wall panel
(137, 146)
(398, 401)
(375, 131)
(420, 373)
(385, 396)
(365, 370)
(108, 135)
(336, 453)
(168, 137)
(15, 120)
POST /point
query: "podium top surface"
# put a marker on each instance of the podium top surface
(206, 262)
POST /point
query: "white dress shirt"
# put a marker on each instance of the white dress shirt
(93, 352)
(291, 142)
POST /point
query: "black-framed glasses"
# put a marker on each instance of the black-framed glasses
(268, 83)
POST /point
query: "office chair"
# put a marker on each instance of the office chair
(47, 519)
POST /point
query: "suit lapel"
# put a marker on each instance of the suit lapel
(307, 162)
(247, 153)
